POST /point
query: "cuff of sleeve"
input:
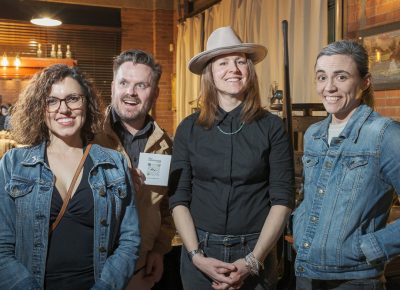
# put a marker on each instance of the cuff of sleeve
(371, 249)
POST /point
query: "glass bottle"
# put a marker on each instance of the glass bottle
(53, 51)
(59, 52)
(39, 50)
(68, 53)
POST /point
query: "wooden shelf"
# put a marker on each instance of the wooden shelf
(30, 65)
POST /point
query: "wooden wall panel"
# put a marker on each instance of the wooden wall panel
(92, 47)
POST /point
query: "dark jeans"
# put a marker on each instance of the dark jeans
(228, 249)
(357, 284)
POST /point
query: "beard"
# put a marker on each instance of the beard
(139, 109)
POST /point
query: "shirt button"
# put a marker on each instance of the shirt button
(328, 164)
(103, 222)
(102, 192)
(102, 250)
(306, 245)
(321, 191)
(314, 219)
(300, 269)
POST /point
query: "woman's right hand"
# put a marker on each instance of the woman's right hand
(217, 270)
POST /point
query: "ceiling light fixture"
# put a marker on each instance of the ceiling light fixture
(46, 21)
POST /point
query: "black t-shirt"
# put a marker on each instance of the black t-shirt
(231, 174)
(70, 253)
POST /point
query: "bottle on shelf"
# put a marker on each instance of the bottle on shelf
(39, 52)
(53, 51)
(59, 52)
(68, 53)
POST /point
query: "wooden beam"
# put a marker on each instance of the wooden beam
(30, 65)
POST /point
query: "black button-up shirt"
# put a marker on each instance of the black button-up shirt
(133, 144)
(230, 181)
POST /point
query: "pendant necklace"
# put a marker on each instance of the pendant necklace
(231, 133)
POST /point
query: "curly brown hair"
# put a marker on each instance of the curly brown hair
(28, 116)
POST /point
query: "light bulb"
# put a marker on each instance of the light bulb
(17, 61)
(4, 60)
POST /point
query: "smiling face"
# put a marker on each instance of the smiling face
(230, 73)
(339, 85)
(64, 123)
(133, 93)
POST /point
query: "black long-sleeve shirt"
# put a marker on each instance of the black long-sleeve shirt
(230, 181)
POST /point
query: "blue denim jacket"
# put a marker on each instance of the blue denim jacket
(26, 186)
(340, 229)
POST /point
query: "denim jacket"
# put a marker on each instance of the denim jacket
(26, 186)
(340, 228)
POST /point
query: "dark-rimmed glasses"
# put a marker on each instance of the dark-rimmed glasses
(73, 102)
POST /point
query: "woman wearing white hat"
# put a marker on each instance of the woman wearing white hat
(231, 174)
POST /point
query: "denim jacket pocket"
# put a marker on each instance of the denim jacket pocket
(119, 189)
(309, 164)
(298, 226)
(19, 187)
(353, 171)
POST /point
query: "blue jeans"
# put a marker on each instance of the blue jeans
(303, 283)
(228, 248)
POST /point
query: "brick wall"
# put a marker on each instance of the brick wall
(365, 14)
(153, 31)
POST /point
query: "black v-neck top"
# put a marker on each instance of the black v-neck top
(70, 252)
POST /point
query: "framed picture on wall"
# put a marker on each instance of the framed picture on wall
(383, 46)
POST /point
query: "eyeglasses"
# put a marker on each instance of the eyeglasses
(73, 102)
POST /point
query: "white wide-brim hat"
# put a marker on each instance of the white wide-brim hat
(222, 41)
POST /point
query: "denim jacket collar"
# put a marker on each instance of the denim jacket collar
(353, 127)
(37, 153)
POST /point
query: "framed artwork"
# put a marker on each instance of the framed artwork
(383, 46)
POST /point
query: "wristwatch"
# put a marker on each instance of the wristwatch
(191, 254)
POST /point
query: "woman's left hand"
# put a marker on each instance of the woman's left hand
(241, 273)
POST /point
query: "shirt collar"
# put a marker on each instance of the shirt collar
(353, 126)
(234, 114)
(118, 126)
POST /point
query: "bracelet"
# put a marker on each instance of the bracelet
(253, 265)
(191, 254)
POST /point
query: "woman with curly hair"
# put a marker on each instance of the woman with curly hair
(64, 225)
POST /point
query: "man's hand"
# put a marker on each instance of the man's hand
(154, 266)
(217, 270)
(138, 178)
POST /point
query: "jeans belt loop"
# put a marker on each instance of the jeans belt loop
(206, 239)
(243, 240)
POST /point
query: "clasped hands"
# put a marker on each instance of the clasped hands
(225, 276)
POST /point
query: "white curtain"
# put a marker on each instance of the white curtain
(258, 21)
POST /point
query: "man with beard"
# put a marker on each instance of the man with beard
(130, 129)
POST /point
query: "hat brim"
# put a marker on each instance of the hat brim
(255, 52)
